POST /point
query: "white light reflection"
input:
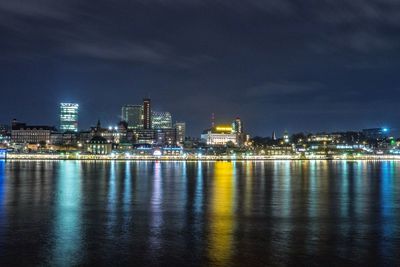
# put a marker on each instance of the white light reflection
(67, 247)
(156, 210)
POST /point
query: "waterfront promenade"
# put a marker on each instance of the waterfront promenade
(185, 157)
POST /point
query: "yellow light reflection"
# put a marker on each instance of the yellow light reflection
(222, 221)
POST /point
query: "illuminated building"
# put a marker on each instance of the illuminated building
(277, 150)
(286, 137)
(133, 115)
(174, 151)
(146, 114)
(166, 137)
(161, 120)
(159, 137)
(69, 117)
(324, 137)
(180, 132)
(238, 126)
(98, 145)
(144, 136)
(376, 133)
(66, 138)
(31, 134)
(4, 134)
(220, 135)
(112, 134)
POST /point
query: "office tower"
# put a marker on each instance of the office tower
(69, 117)
(238, 126)
(161, 120)
(376, 133)
(133, 115)
(146, 113)
(180, 132)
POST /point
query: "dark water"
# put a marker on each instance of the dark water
(199, 214)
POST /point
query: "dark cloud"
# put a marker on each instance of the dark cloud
(283, 89)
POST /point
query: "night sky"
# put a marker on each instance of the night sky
(315, 65)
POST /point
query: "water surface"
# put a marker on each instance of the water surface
(78, 213)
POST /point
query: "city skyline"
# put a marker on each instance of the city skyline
(278, 130)
(321, 66)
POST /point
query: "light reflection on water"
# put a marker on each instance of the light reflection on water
(199, 213)
(2, 202)
(67, 228)
(221, 221)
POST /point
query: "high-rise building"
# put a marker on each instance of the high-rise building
(133, 115)
(146, 113)
(180, 132)
(69, 117)
(161, 120)
(376, 133)
(238, 126)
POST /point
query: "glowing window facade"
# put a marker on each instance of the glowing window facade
(69, 117)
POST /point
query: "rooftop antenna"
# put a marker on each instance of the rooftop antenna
(212, 119)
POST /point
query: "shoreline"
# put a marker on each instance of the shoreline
(50, 157)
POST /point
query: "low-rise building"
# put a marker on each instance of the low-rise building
(220, 135)
(98, 145)
(31, 134)
(64, 139)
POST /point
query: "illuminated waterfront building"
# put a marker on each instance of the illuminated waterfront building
(147, 113)
(220, 135)
(133, 115)
(65, 138)
(98, 145)
(161, 120)
(30, 134)
(69, 117)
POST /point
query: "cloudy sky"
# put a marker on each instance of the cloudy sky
(315, 65)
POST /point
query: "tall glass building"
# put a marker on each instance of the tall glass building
(69, 117)
(161, 120)
(133, 116)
